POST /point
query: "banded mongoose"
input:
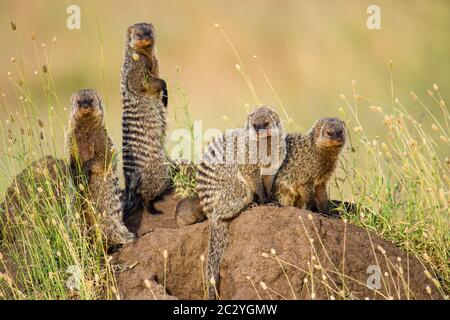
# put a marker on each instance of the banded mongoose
(144, 100)
(93, 160)
(236, 167)
(310, 162)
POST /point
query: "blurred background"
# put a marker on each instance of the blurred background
(311, 51)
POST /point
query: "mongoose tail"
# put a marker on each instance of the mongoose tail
(218, 239)
(132, 201)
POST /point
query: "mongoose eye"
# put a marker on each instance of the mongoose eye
(339, 132)
(85, 102)
(329, 133)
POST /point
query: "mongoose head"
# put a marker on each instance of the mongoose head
(264, 121)
(141, 36)
(329, 132)
(87, 103)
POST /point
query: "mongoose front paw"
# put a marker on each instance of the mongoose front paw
(152, 210)
(330, 213)
(273, 203)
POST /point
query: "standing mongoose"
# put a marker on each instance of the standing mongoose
(236, 167)
(93, 161)
(310, 162)
(144, 100)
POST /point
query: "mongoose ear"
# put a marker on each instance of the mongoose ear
(344, 124)
(72, 98)
(165, 94)
(165, 97)
(249, 118)
(318, 126)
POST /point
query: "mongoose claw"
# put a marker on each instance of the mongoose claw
(334, 214)
(273, 203)
(252, 205)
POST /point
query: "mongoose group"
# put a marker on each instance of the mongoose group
(256, 164)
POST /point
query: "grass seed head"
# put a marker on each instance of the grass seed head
(263, 285)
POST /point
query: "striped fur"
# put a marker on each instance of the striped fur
(310, 163)
(92, 157)
(226, 189)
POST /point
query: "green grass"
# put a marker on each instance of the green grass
(51, 237)
(400, 182)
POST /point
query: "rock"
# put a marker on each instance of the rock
(280, 247)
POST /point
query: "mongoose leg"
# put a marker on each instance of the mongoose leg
(309, 199)
(150, 206)
(268, 185)
(257, 188)
(156, 86)
(218, 239)
(285, 196)
(321, 197)
(299, 202)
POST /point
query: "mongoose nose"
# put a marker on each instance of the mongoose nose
(146, 35)
(261, 126)
(85, 102)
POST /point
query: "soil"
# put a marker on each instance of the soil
(278, 246)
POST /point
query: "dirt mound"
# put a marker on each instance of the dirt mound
(45, 175)
(278, 246)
